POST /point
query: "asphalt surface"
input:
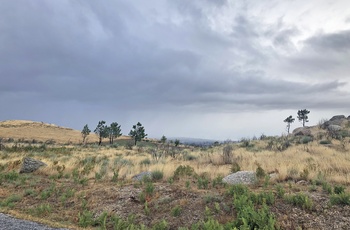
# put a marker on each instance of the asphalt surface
(10, 223)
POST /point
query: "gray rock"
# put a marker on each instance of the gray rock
(339, 120)
(140, 176)
(302, 131)
(241, 177)
(30, 165)
(337, 117)
(334, 128)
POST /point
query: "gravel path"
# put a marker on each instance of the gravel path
(11, 223)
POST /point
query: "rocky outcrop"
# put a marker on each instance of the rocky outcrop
(140, 176)
(302, 131)
(241, 177)
(30, 165)
(339, 120)
(334, 128)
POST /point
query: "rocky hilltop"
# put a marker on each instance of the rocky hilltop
(337, 126)
(39, 132)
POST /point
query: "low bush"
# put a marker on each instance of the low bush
(340, 199)
(183, 170)
(300, 200)
(157, 175)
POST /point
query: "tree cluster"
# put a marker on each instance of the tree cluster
(302, 116)
(113, 131)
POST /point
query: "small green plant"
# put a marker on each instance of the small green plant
(340, 199)
(260, 172)
(147, 211)
(218, 182)
(203, 182)
(42, 209)
(162, 225)
(325, 142)
(300, 200)
(9, 201)
(29, 192)
(183, 170)
(176, 211)
(188, 185)
(115, 176)
(101, 220)
(280, 191)
(157, 175)
(327, 188)
(217, 207)
(338, 189)
(85, 219)
(149, 189)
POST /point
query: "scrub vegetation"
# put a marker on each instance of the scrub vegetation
(302, 182)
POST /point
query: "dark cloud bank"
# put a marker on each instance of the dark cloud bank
(77, 62)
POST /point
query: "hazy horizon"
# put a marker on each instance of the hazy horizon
(204, 69)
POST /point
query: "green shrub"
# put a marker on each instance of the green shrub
(340, 199)
(260, 172)
(327, 188)
(183, 170)
(338, 189)
(42, 209)
(325, 142)
(85, 219)
(29, 192)
(280, 191)
(162, 225)
(202, 183)
(157, 175)
(176, 211)
(300, 200)
(306, 139)
(248, 217)
(9, 201)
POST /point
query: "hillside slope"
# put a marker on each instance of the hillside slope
(33, 131)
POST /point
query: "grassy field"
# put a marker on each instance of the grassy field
(302, 184)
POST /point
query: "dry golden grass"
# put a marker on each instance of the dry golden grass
(90, 169)
(43, 132)
(314, 158)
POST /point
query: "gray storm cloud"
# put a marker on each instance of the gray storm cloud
(124, 57)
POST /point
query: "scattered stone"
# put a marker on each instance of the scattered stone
(334, 127)
(140, 176)
(30, 165)
(302, 131)
(241, 177)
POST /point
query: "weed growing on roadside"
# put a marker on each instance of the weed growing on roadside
(9, 201)
(42, 209)
(280, 191)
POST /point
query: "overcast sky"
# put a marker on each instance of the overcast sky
(212, 69)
